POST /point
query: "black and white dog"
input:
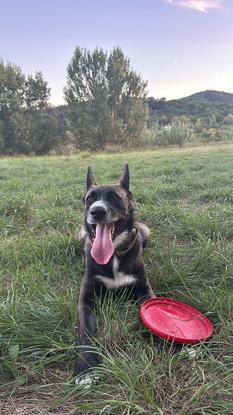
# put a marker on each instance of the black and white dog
(113, 241)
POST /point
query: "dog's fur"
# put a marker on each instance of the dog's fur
(125, 268)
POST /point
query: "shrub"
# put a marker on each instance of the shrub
(174, 134)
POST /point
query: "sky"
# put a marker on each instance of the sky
(179, 46)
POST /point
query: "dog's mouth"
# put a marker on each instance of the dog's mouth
(102, 247)
(113, 227)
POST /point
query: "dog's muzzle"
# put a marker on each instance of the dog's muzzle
(98, 213)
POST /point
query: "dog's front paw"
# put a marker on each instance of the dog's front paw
(83, 371)
(86, 381)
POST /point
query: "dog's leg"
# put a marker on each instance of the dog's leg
(87, 359)
(143, 290)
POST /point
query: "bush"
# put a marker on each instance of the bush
(227, 134)
(174, 134)
(218, 134)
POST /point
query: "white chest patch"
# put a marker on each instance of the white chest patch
(120, 279)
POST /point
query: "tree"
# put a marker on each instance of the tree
(107, 92)
(21, 101)
(212, 121)
(18, 92)
(86, 76)
(126, 102)
(87, 94)
(12, 82)
(199, 125)
(1, 136)
(229, 119)
(45, 132)
(36, 92)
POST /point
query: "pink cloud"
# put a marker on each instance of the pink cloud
(199, 5)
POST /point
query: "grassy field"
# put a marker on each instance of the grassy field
(186, 198)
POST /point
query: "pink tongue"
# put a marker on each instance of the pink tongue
(102, 249)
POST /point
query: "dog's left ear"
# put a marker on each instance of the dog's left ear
(90, 178)
(124, 180)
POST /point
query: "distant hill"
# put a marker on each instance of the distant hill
(212, 96)
(199, 105)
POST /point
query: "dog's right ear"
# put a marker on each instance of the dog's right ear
(90, 178)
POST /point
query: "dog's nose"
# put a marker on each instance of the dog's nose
(98, 212)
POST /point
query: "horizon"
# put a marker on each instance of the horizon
(171, 99)
(180, 47)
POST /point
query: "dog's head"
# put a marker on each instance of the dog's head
(108, 211)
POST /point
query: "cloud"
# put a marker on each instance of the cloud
(199, 5)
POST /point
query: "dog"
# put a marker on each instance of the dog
(113, 241)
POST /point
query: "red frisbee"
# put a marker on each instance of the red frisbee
(175, 321)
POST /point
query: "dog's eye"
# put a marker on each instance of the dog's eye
(114, 196)
(89, 198)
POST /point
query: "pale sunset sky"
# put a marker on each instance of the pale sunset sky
(179, 46)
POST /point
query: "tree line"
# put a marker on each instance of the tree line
(106, 104)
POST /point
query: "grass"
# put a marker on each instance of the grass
(186, 198)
